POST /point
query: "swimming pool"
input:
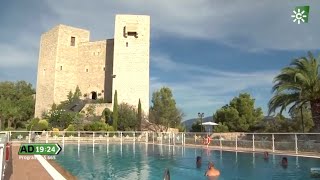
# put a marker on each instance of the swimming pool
(141, 161)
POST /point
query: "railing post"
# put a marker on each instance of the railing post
(184, 138)
(147, 137)
(153, 137)
(78, 138)
(169, 138)
(296, 141)
(107, 137)
(29, 138)
(9, 134)
(93, 138)
(47, 136)
(253, 147)
(121, 138)
(63, 141)
(273, 143)
(220, 141)
(134, 137)
(236, 142)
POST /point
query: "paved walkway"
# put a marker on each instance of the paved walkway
(18, 169)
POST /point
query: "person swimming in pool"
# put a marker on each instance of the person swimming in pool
(284, 162)
(198, 162)
(266, 155)
(212, 172)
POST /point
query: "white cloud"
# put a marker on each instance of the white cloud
(251, 25)
(14, 56)
(210, 87)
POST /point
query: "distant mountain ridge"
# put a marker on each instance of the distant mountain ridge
(188, 123)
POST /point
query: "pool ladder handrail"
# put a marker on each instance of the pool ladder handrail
(166, 174)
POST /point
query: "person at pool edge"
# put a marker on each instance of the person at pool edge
(284, 162)
(198, 162)
(212, 172)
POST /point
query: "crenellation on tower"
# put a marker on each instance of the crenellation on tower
(67, 59)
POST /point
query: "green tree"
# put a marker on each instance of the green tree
(279, 124)
(139, 118)
(302, 118)
(296, 85)
(107, 113)
(115, 113)
(221, 128)
(239, 115)
(182, 128)
(61, 119)
(71, 98)
(33, 124)
(196, 126)
(128, 119)
(77, 94)
(164, 111)
(16, 104)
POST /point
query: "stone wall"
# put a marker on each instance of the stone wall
(131, 60)
(46, 71)
(99, 108)
(66, 61)
(91, 68)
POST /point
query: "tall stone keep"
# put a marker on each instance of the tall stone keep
(131, 59)
(68, 59)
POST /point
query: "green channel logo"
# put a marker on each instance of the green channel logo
(39, 149)
(301, 14)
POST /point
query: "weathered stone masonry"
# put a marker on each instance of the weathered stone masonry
(68, 59)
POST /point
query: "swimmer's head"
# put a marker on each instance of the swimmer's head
(210, 165)
(198, 158)
(284, 159)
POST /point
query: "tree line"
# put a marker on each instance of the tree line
(17, 104)
(296, 89)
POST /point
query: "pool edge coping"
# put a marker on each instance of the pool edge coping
(49, 168)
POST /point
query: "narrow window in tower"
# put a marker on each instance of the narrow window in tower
(60, 68)
(73, 41)
(126, 44)
(104, 69)
(135, 34)
(87, 70)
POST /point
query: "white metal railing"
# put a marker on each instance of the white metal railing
(3, 163)
(276, 142)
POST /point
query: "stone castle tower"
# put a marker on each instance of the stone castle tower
(68, 59)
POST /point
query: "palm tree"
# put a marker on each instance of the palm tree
(297, 85)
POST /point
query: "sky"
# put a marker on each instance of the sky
(206, 51)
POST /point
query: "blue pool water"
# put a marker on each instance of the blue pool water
(141, 161)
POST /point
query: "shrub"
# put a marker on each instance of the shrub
(10, 129)
(97, 126)
(42, 125)
(33, 124)
(55, 132)
(70, 128)
(109, 128)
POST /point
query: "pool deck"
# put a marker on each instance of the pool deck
(18, 169)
